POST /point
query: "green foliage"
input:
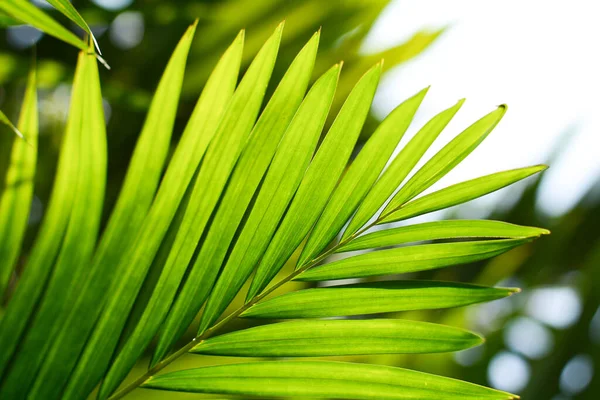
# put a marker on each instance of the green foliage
(24, 11)
(244, 188)
(18, 186)
(321, 379)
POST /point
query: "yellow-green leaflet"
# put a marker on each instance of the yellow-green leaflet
(132, 206)
(446, 159)
(285, 173)
(320, 338)
(65, 7)
(4, 120)
(399, 168)
(460, 193)
(373, 298)
(360, 177)
(319, 181)
(451, 229)
(410, 259)
(15, 200)
(46, 247)
(221, 156)
(247, 176)
(26, 12)
(321, 379)
(86, 121)
(130, 266)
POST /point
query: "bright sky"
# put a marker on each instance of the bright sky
(539, 57)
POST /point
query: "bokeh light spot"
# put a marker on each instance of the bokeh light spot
(23, 36)
(127, 30)
(113, 5)
(508, 371)
(577, 374)
(559, 307)
(528, 337)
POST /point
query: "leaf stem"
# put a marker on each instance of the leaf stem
(209, 332)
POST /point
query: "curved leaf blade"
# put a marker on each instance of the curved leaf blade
(400, 168)
(319, 181)
(5, 121)
(26, 12)
(65, 7)
(447, 158)
(449, 229)
(360, 177)
(410, 259)
(321, 379)
(46, 246)
(15, 200)
(460, 193)
(374, 298)
(86, 121)
(318, 338)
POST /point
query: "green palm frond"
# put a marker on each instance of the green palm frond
(249, 198)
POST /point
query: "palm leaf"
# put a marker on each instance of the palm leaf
(241, 193)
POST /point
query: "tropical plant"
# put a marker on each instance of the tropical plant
(249, 195)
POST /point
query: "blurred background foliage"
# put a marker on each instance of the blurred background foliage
(543, 343)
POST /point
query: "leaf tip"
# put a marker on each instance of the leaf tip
(543, 167)
(512, 291)
(279, 28)
(240, 36)
(502, 108)
(102, 61)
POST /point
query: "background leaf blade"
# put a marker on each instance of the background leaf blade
(26, 12)
(15, 200)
